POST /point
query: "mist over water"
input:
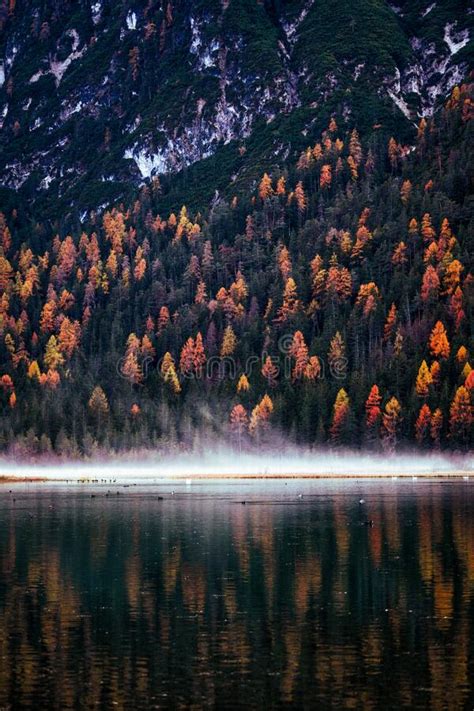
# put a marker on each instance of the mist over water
(224, 462)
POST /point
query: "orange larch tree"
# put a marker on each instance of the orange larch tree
(373, 413)
(270, 372)
(461, 417)
(337, 356)
(239, 421)
(439, 344)
(390, 324)
(265, 190)
(423, 424)
(291, 304)
(299, 351)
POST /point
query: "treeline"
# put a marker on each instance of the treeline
(333, 304)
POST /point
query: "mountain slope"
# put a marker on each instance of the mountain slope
(97, 97)
(331, 303)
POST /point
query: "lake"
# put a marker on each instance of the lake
(178, 595)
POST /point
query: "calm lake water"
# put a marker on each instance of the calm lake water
(195, 600)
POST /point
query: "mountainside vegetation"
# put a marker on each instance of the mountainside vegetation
(330, 302)
(96, 97)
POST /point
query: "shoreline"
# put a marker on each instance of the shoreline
(215, 476)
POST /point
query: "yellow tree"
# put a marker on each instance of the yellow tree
(391, 421)
(34, 372)
(340, 418)
(229, 342)
(243, 384)
(423, 380)
(53, 357)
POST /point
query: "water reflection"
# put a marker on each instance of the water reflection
(128, 601)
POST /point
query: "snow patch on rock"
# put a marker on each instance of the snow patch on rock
(206, 56)
(428, 9)
(147, 163)
(58, 68)
(131, 20)
(291, 28)
(96, 12)
(400, 102)
(457, 41)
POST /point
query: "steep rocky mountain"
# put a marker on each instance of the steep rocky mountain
(97, 97)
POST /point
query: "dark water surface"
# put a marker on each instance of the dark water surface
(198, 601)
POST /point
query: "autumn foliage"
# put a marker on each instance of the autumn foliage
(330, 301)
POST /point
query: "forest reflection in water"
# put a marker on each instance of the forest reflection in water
(149, 599)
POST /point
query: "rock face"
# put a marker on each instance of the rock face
(109, 93)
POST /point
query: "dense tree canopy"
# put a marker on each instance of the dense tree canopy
(333, 303)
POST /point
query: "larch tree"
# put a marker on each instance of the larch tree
(299, 351)
(270, 372)
(436, 426)
(373, 413)
(300, 198)
(423, 424)
(243, 384)
(390, 324)
(391, 421)
(131, 367)
(239, 422)
(265, 190)
(340, 418)
(439, 344)
(53, 357)
(98, 403)
(229, 342)
(461, 417)
(430, 285)
(423, 380)
(291, 304)
(337, 356)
